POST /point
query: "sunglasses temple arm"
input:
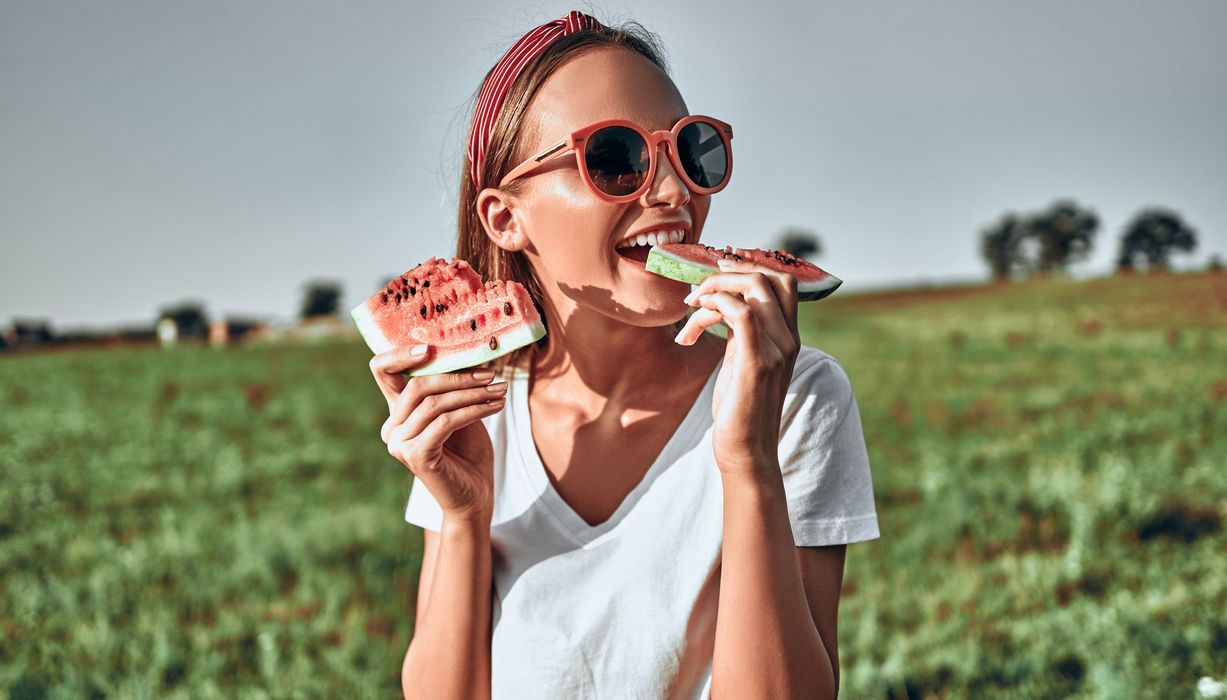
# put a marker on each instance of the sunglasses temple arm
(535, 162)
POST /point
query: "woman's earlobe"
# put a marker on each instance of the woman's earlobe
(501, 220)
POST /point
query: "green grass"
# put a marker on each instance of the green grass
(1048, 463)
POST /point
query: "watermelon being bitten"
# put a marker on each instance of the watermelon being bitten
(446, 305)
(695, 262)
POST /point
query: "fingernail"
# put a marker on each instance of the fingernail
(497, 386)
(690, 296)
(418, 351)
(724, 262)
(680, 333)
(483, 375)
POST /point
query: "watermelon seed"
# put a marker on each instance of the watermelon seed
(398, 297)
(493, 343)
(423, 311)
(413, 291)
(507, 308)
(426, 283)
(383, 298)
(473, 324)
(439, 308)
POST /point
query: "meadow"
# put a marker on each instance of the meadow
(1049, 462)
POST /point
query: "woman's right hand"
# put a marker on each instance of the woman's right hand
(434, 428)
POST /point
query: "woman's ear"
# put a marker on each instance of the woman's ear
(501, 219)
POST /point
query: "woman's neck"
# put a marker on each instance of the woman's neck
(590, 357)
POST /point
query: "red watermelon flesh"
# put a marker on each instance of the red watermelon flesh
(446, 305)
(695, 262)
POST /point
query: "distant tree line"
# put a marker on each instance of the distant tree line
(1050, 240)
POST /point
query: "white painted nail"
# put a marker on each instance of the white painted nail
(418, 351)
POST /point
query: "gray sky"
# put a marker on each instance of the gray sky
(153, 151)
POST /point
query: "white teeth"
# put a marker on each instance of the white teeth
(654, 238)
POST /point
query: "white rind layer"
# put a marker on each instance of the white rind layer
(517, 337)
(374, 337)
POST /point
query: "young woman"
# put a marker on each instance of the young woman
(634, 512)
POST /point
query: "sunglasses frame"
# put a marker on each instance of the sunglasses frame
(579, 138)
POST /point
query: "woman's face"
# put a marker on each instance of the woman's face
(571, 232)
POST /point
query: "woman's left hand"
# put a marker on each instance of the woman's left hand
(759, 307)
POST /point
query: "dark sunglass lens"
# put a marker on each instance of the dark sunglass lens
(617, 160)
(703, 154)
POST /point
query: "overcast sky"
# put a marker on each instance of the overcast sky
(156, 151)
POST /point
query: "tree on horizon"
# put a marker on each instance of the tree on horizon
(322, 298)
(1001, 246)
(1152, 234)
(1041, 242)
(801, 242)
(1065, 232)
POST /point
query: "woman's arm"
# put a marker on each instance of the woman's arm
(822, 570)
(771, 641)
(449, 656)
(767, 642)
(434, 429)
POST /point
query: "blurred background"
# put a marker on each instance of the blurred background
(1026, 203)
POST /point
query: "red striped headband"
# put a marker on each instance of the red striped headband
(494, 91)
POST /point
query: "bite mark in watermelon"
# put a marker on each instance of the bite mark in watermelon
(446, 305)
(695, 262)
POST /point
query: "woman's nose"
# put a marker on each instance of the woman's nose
(667, 185)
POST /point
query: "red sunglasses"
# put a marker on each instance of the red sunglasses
(617, 158)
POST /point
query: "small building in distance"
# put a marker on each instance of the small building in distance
(27, 333)
(233, 330)
(185, 321)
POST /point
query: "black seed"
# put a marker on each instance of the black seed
(507, 308)
(426, 283)
(473, 325)
(398, 297)
(439, 308)
(423, 311)
(383, 298)
(493, 343)
(413, 291)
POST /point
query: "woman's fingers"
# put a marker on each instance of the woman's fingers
(755, 290)
(782, 284)
(417, 415)
(698, 322)
(389, 368)
(423, 450)
(734, 311)
(754, 341)
(416, 390)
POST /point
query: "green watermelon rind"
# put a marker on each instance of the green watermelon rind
(676, 267)
(513, 338)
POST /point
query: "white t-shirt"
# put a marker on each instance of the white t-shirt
(627, 609)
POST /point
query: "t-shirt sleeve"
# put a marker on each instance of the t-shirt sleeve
(823, 459)
(423, 510)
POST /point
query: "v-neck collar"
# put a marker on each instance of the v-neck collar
(568, 521)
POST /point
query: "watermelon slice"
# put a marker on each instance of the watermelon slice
(445, 304)
(695, 262)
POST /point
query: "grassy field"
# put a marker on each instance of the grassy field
(1050, 464)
